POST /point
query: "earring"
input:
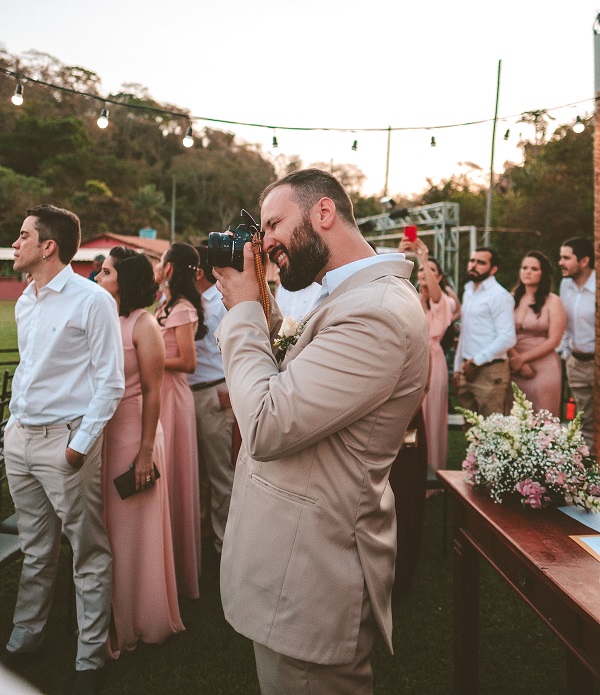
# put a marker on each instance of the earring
(166, 283)
(44, 258)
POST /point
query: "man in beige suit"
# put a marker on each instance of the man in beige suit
(308, 555)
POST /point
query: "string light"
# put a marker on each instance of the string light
(188, 140)
(103, 119)
(275, 144)
(178, 114)
(17, 97)
(578, 126)
(507, 134)
(433, 142)
(354, 145)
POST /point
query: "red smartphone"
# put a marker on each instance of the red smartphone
(410, 232)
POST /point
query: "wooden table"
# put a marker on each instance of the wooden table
(532, 551)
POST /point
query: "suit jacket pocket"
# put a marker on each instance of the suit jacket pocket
(280, 492)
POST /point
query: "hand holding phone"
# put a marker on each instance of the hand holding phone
(410, 232)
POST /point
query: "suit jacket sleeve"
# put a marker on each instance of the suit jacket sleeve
(330, 382)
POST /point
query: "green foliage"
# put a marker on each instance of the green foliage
(17, 193)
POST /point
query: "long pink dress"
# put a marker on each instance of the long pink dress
(144, 601)
(177, 414)
(435, 405)
(544, 389)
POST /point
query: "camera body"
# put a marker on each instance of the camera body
(226, 249)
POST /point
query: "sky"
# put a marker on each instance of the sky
(337, 64)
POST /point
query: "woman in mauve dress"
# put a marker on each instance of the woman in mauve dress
(439, 308)
(181, 320)
(540, 322)
(144, 600)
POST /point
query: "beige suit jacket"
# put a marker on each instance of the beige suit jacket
(312, 520)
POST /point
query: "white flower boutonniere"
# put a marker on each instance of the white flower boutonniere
(288, 335)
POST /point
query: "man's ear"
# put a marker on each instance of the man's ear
(493, 270)
(324, 213)
(584, 262)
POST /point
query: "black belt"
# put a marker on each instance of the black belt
(206, 384)
(583, 356)
(488, 364)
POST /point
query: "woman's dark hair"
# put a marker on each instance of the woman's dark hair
(182, 283)
(545, 286)
(135, 277)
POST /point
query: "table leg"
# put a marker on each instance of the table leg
(466, 617)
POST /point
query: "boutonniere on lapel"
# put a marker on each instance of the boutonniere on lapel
(288, 335)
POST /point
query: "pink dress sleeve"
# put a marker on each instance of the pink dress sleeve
(182, 313)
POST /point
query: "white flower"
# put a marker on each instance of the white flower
(289, 327)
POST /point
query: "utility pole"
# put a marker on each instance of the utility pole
(597, 226)
(488, 211)
(387, 162)
(173, 203)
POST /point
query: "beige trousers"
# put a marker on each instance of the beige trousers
(214, 431)
(486, 392)
(580, 376)
(284, 675)
(49, 494)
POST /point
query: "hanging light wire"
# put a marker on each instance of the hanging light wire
(187, 116)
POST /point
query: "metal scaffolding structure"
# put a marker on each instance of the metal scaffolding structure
(440, 220)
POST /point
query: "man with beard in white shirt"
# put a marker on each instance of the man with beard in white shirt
(578, 294)
(481, 371)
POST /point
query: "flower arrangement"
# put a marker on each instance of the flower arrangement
(531, 456)
(288, 335)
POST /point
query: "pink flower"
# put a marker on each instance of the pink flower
(533, 492)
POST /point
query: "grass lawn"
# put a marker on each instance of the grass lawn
(8, 327)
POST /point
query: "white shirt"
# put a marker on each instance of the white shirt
(71, 357)
(335, 277)
(297, 304)
(209, 363)
(487, 325)
(580, 305)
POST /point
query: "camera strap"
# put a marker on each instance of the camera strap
(260, 273)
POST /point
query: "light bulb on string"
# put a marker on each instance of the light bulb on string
(103, 119)
(275, 144)
(188, 140)
(578, 126)
(433, 142)
(507, 134)
(354, 145)
(17, 97)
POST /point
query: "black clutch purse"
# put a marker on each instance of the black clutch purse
(125, 483)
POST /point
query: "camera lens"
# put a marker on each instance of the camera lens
(220, 249)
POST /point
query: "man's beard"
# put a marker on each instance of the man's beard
(307, 255)
(477, 277)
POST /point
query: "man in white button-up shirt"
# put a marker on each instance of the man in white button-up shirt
(578, 294)
(481, 372)
(66, 387)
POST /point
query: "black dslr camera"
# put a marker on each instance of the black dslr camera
(226, 249)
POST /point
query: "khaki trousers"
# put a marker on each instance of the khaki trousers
(49, 494)
(486, 392)
(284, 675)
(214, 432)
(580, 376)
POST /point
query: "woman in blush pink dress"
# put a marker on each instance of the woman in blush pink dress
(144, 602)
(540, 321)
(181, 320)
(438, 307)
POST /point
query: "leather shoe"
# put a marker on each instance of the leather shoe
(86, 682)
(16, 660)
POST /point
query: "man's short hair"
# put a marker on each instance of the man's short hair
(581, 248)
(203, 253)
(309, 186)
(60, 225)
(494, 255)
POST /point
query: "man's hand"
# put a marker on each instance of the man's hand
(239, 287)
(468, 370)
(74, 458)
